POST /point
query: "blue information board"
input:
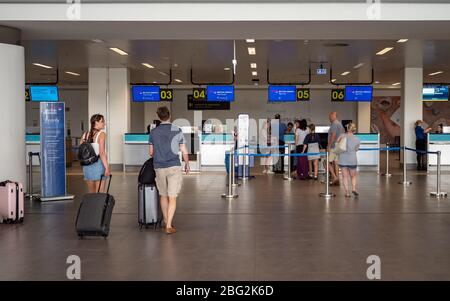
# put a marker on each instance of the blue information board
(145, 93)
(44, 93)
(53, 158)
(282, 94)
(220, 93)
(358, 93)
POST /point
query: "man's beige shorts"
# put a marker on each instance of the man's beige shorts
(332, 156)
(169, 181)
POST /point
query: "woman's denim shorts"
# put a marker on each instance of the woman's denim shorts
(94, 171)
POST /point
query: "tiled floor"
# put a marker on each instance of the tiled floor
(275, 230)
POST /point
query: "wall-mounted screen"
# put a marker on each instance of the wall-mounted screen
(220, 93)
(145, 93)
(282, 94)
(435, 93)
(358, 93)
(44, 93)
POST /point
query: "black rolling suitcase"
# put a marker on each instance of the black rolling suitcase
(94, 214)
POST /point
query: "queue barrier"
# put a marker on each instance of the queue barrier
(438, 194)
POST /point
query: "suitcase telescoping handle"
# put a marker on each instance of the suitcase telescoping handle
(109, 183)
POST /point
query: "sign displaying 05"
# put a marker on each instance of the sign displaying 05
(337, 95)
(199, 93)
(303, 94)
(166, 94)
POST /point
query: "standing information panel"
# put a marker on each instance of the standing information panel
(53, 156)
(243, 137)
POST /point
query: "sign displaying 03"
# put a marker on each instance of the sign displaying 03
(337, 95)
(166, 94)
(303, 94)
(199, 93)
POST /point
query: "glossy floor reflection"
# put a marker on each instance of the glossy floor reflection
(275, 230)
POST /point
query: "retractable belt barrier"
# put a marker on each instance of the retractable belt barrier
(327, 194)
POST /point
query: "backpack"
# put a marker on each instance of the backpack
(147, 173)
(341, 144)
(86, 154)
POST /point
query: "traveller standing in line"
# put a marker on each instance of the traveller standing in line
(302, 162)
(348, 161)
(290, 128)
(281, 131)
(96, 137)
(312, 145)
(265, 143)
(336, 130)
(165, 142)
(421, 144)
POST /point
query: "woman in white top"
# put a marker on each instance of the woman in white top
(302, 162)
(94, 172)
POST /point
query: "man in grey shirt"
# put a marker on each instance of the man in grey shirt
(165, 142)
(336, 130)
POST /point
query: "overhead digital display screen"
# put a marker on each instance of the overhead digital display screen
(282, 94)
(145, 93)
(220, 93)
(435, 93)
(358, 93)
(44, 93)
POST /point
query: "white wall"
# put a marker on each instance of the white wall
(12, 113)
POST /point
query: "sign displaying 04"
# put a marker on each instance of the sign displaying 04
(166, 94)
(199, 93)
(337, 95)
(303, 94)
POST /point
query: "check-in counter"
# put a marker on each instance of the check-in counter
(439, 142)
(213, 148)
(368, 158)
(135, 149)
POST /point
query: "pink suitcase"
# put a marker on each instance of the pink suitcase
(11, 202)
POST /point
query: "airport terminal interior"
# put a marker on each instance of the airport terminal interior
(222, 80)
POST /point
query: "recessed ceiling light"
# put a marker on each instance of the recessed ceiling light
(377, 82)
(43, 66)
(254, 73)
(436, 73)
(251, 50)
(358, 66)
(250, 40)
(333, 80)
(72, 73)
(396, 84)
(227, 69)
(175, 65)
(253, 65)
(178, 80)
(162, 73)
(97, 40)
(148, 65)
(385, 50)
(345, 73)
(119, 51)
(154, 82)
(402, 41)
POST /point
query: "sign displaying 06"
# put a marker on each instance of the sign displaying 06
(166, 94)
(337, 95)
(303, 94)
(199, 93)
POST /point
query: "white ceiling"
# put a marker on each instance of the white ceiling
(287, 60)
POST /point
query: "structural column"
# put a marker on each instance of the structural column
(109, 95)
(412, 109)
(363, 116)
(12, 113)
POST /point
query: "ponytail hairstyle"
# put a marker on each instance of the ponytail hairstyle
(95, 118)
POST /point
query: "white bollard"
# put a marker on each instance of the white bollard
(230, 194)
(387, 174)
(438, 193)
(288, 176)
(327, 194)
(405, 178)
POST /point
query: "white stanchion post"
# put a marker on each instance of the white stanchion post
(405, 178)
(438, 193)
(234, 184)
(288, 176)
(230, 194)
(244, 166)
(387, 174)
(327, 193)
(30, 175)
(379, 155)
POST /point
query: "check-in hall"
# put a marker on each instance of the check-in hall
(287, 142)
